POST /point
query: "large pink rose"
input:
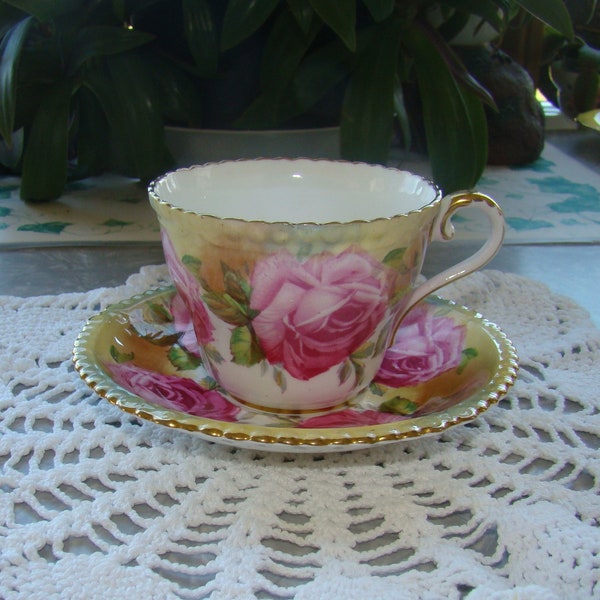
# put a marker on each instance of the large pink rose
(176, 393)
(425, 346)
(314, 314)
(350, 418)
(190, 291)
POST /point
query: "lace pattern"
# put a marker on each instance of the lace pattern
(97, 504)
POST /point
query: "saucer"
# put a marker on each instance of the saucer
(590, 119)
(141, 356)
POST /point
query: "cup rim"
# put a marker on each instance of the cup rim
(153, 194)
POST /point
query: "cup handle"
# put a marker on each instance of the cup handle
(442, 230)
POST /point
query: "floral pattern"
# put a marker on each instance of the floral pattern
(188, 288)
(429, 343)
(173, 392)
(312, 315)
(424, 347)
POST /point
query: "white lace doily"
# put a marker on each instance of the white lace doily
(95, 504)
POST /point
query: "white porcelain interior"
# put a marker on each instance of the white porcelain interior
(295, 191)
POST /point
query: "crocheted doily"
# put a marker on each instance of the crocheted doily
(95, 503)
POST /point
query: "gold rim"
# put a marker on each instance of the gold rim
(281, 438)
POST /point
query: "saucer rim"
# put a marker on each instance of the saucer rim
(292, 438)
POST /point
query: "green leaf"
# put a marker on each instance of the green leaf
(55, 227)
(200, 31)
(380, 9)
(395, 258)
(302, 12)
(468, 354)
(454, 118)
(44, 10)
(129, 100)
(10, 53)
(45, 158)
(399, 406)
(551, 12)
(101, 40)
(368, 108)
(365, 351)
(120, 357)
(345, 371)
(340, 16)
(243, 18)
(183, 360)
(244, 347)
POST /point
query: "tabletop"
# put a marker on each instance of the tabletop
(101, 502)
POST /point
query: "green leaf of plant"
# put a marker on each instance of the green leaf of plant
(551, 12)
(302, 12)
(129, 99)
(340, 16)
(10, 53)
(454, 119)
(45, 157)
(201, 34)
(368, 108)
(244, 347)
(243, 18)
(380, 9)
(99, 40)
(43, 10)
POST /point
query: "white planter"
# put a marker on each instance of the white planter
(196, 146)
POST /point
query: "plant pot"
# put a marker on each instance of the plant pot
(196, 146)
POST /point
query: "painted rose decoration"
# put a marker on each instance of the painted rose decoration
(312, 315)
(173, 392)
(188, 287)
(425, 346)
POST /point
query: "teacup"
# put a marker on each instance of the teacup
(297, 273)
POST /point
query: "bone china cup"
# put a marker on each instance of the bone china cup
(296, 273)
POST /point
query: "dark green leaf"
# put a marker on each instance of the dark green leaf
(200, 32)
(368, 109)
(100, 40)
(551, 12)
(92, 136)
(380, 9)
(302, 12)
(10, 53)
(243, 18)
(494, 12)
(454, 119)
(45, 158)
(244, 347)
(44, 10)
(340, 16)
(129, 99)
(55, 227)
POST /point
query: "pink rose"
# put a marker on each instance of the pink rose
(425, 346)
(350, 418)
(176, 393)
(183, 323)
(313, 315)
(189, 289)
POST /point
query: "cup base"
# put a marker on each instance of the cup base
(287, 411)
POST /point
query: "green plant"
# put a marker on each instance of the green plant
(88, 84)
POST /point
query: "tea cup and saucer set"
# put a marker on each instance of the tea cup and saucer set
(296, 321)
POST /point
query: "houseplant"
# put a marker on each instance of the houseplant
(104, 95)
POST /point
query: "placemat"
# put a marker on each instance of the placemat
(96, 504)
(554, 200)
